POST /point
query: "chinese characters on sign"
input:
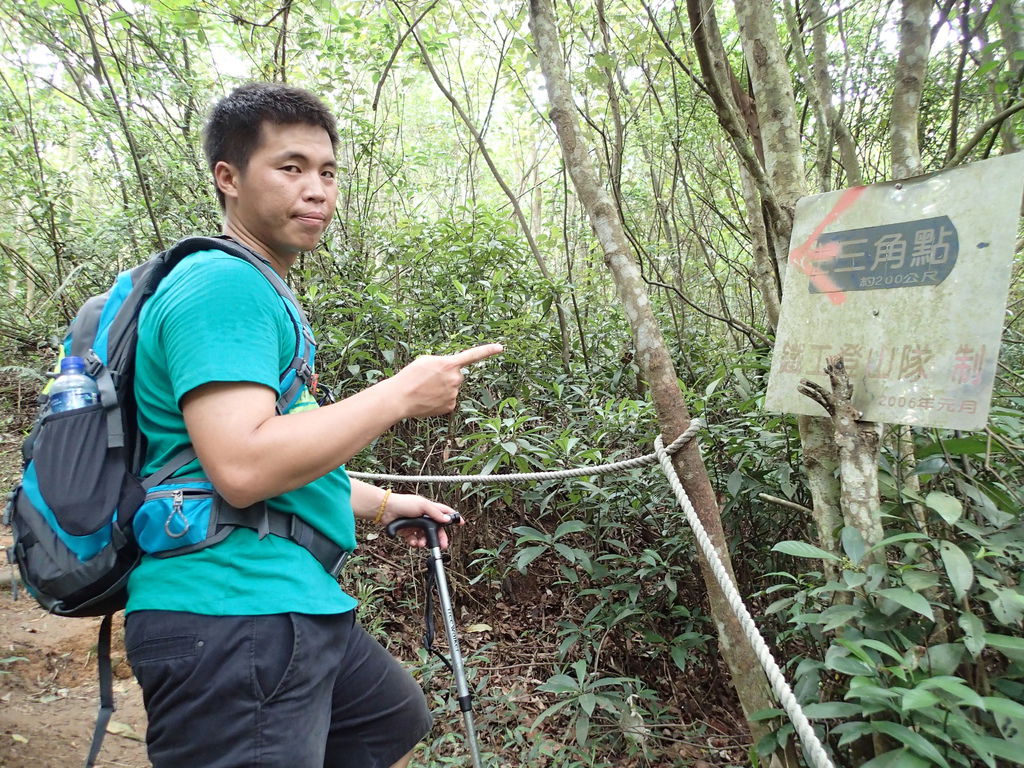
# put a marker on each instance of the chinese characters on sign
(908, 253)
(908, 282)
(908, 363)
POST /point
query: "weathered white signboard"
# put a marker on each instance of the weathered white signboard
(908, 282)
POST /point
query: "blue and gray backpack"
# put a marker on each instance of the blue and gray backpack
(83, 516)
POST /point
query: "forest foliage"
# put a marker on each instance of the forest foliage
(457, 224)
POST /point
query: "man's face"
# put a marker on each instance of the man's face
(284, 198)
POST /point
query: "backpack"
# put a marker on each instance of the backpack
(83, 515)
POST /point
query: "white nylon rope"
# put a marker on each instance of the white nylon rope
(598, 469)
(813, 747)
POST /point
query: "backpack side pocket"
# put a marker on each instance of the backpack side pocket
(79, 478)
(174, 515)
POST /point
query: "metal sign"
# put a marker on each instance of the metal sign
(908, 281)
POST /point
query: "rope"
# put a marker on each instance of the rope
(663, 454)
(783, 692)
(598, 469)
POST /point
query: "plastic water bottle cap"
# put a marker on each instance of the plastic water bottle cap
(72, 364)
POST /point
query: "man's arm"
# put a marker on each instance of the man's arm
(367, 500)
(251, 453)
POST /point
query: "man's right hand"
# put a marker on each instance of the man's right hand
(430, 384)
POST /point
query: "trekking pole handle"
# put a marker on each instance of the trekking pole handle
(426, 524)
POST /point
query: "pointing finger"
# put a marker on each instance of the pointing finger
(475, 354)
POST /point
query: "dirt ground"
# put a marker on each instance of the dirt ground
(49, 689)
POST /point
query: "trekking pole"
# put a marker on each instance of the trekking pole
(436, 567)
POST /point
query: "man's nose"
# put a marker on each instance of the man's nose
(315, 188)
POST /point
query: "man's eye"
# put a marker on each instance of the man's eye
(328, 174)
(290, 168)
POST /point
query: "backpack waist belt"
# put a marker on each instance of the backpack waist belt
(264, 520)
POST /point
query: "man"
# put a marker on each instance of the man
(247, 651)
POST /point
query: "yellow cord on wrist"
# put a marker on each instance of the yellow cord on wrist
(382, 507)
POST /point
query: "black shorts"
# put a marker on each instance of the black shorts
(283, 690)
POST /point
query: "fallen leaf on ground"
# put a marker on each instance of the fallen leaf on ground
(123, 729)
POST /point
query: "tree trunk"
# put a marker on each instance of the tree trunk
(776, 105)
(1011, 25)
(776, 109)
(764, 263)
(821, 463)
(858, 443)
(651, 353)
(915, 43)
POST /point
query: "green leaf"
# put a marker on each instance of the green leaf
(896, 539)
(851, 730)
(958, 446)
(915, 741)
(955, 687)
(949, 507)
(920, 580)
(1007, 605)
(856, 647)
(582, 729)
(595, 76)
(559, 684)
(881, 647)
(803, 549)
(824, 710)
(897, 758)
(1000, 706)
(906, 598)
(958, 567)
(680, 656)
(988, 66)
(567, 552)
(861, 689)
(558, 705)
(853, 543)
(854, 578)
(587, 703)
(570, 526)
(528, 555)
(1001, 748)
(848, 665)
(1011, 647)
(974, 633)
(766, 714)
(838, 615)
(526, 533)
(943, 659)
(918, 698)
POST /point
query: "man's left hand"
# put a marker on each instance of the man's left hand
(410, 505)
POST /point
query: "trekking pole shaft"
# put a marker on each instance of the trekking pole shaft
(461, 687)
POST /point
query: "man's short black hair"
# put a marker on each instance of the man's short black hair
(232, 132)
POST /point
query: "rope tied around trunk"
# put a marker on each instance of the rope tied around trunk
(813, 748)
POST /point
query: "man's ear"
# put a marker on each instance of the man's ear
(226, 177)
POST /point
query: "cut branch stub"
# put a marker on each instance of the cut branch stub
(858, 443)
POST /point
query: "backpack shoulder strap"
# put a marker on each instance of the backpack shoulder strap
(299, 371)
(104, 333)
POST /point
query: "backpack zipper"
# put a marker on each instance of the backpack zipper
(177, 504)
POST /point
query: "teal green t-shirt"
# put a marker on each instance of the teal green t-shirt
(215, 318)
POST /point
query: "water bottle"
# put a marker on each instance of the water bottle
(73, 387)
